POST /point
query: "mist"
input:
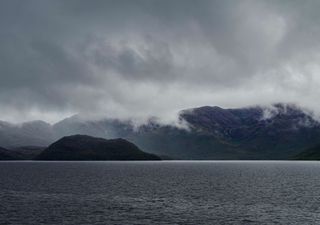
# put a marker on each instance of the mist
(141, 59)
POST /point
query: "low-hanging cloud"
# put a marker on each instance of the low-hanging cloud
(145, 58)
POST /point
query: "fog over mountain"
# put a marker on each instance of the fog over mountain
(141, 58)
(209, 132)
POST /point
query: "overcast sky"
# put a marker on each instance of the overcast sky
(153, 58)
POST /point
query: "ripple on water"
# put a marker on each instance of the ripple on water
(159, 193)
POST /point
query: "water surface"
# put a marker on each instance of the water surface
(167, 192)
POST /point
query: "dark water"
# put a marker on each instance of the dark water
(159, 193)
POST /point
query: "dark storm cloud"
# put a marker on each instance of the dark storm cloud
(142, 58)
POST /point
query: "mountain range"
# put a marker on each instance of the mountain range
(280, 131)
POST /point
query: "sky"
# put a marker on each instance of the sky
(141, 58)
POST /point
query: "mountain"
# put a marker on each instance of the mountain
(20, 153)
(33, 133)
(6, 154)
(26, 152)
(261, 133)
(84, 147)
(312, 153)
(279, 131)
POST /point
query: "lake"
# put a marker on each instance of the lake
(165, 192)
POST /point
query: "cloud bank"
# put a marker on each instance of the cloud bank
(146, 58)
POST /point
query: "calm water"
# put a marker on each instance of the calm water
(159, 193)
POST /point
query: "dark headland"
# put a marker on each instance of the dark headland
(83, 147)
(312, 153)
